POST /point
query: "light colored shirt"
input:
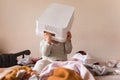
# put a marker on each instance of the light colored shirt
(55, 52)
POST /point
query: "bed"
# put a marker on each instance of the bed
(73, 64)
(5, 71)
(48, 70)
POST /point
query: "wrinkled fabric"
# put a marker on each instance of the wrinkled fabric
(64, 74)
(77, 66)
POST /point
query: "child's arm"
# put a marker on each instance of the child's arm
(46, 44)
(68, 44)
(45, 48)
(48, 37)
(68, 47)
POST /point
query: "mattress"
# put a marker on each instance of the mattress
(108, 77)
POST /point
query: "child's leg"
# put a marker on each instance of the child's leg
(40, 65)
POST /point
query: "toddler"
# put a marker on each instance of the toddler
(52, 50)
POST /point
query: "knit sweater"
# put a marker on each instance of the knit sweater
(53, 52)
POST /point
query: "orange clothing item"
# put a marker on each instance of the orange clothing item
(12, 75)
(64, 74)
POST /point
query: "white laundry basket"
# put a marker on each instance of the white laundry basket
(56, 19)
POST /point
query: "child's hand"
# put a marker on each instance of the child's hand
(69, 36)
(48, 37)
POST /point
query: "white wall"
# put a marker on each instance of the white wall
(95, 28)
